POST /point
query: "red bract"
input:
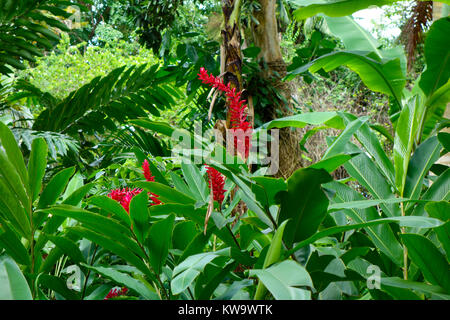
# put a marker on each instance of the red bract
(216, 183)
(124, 196)
(114, 292)
(238, 116)
(149, 177)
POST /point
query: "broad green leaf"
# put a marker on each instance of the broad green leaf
(405, 134)
(438, 191)
(12, 244)
(304, 204)
(111, 244)
(437, 55)
(158, 242)
(94, 220)
(55, 187)
(36, 166)
(372, 145)
(13, 284)
(423, 158)
(125, 280)
(381, 235)
(403, 221)
(417, 286)
(333, 162)
(283, 278)
(269, 188)
(11, 179)
(338, 144)
(435, 108)
(444, 139)
(14, 154)
(272, 256)
(69, 247)
(112, 206)
(166, 193)
(58, 285)
(337, 8)
(355, 37)
(427, 257)
(328, 118)
(365, 171)
(379, 76)
(441, 210)
(139, 215)
(188, 270)
(13, 210)
(195, 181)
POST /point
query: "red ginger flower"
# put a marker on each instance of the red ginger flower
(216, 184)
(114, 292)
(149, 177)
(238, 116)
(124, 196)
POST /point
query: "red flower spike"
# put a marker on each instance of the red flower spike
(216, 184)
(238, 116)
(124, 196)
(114, 292)
(149, 177)
(146, 170)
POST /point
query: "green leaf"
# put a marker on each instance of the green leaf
(196, 182)
(158, 242)
(427, 257)
(338, 144)
(140, 216)
(382, 235)
(329, 118)
(444, 139)
(372, 145)
(436, 106)
(405, 134)
(67, 246)
(304, 203)
(13, 283)
(13, 245)
(333, 162)
(166, 193)
(417, 286)
(335, 8)
(58, 285)
(366, 172)
(355, 37)
(111, 206)
(269, 188)
(111, 244)
(438, 191)
(437, 55)
(379, 76)
(441, 210)
(55, 187)
(125, 280)
(283, 278)
(14, 154)
(188, 270)
(36, 166)
(423, 158)
(272, 256)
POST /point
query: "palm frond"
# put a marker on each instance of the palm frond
(27, 27)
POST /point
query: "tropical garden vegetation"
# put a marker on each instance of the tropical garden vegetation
(113, 187)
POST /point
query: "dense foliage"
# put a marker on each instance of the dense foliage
(109, 189)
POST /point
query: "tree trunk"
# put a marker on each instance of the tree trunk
(266, 37)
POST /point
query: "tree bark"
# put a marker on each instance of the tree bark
(267, 38)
